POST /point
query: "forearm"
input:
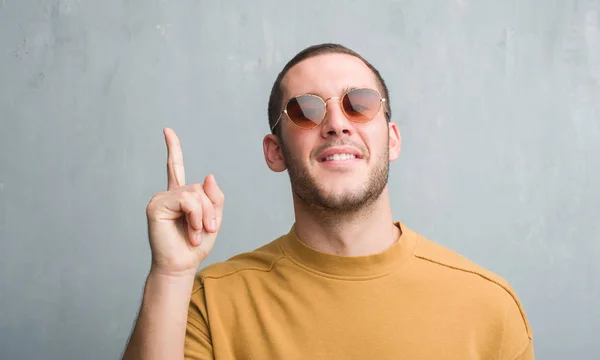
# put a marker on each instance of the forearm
(159, 332)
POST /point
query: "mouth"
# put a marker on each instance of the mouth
(339, 155)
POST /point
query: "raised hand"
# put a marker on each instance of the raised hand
(183, 221)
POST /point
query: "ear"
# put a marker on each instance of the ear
(395, 141)
(273, 153)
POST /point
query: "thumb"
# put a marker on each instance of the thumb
(216, 196)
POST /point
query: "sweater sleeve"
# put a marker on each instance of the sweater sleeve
(517, 340)
(527, 354)
(198, 342)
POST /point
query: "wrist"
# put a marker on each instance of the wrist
(173, 292)
(170, 284)
(170, 275)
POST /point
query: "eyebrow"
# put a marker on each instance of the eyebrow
(348, 89)
(345, 90)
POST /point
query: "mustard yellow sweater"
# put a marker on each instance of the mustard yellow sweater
(415, 300)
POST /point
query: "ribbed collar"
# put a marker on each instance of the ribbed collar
(352, 266)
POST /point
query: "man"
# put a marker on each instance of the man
(346, 282)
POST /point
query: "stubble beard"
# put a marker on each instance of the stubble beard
(306, 187)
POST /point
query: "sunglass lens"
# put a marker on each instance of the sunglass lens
(361, 105)
(306, 111)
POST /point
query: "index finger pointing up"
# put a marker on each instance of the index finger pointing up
(175, 170)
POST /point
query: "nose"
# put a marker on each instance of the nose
(335, 122)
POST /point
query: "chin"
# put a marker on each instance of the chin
(345, 202)
(342, 192)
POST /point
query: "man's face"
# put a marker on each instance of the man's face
(340, 184)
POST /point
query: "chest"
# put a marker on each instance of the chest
(385, 319)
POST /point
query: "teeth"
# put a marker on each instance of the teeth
(340, 157)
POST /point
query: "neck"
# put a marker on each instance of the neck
(368, 231)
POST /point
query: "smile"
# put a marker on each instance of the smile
(339, 157)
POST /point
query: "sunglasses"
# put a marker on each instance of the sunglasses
(308, 111)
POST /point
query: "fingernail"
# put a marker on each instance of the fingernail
(198, 238)
(213, 224)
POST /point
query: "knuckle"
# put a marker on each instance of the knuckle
(150, 209)
(153, 203)
(218, 199)
(196, 196)
(197, 188)
(186, 196)
(207, 202)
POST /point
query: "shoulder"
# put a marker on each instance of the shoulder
(454, 263)
(261, 259)
(470, 277)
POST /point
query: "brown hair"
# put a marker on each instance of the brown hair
(276, 97)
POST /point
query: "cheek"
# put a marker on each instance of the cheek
(298, 144)
(376, 141)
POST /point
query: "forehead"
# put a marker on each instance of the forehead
(327, 75)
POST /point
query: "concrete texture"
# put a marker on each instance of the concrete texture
(498, 103)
